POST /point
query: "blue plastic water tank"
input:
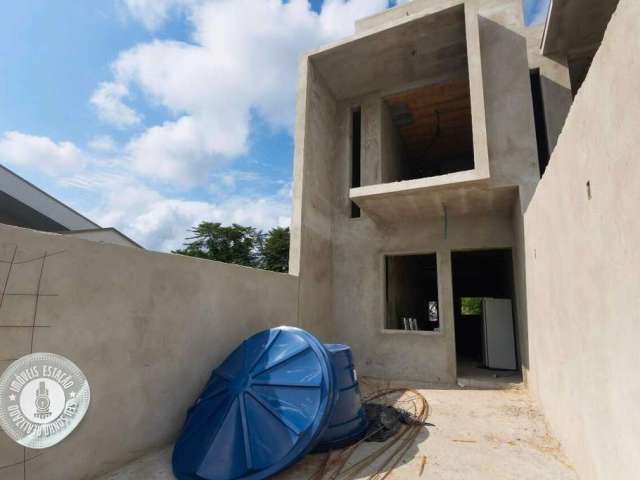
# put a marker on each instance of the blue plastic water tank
(348, 422)
(264, 408)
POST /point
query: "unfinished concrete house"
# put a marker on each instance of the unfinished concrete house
(423, 179)
(420, 143)
(465, 195)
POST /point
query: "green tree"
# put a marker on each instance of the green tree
(471, 306)
(240, 245)
(232, 244)
(275, 250)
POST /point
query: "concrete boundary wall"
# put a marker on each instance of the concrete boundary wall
(583, 266)
(146, 328)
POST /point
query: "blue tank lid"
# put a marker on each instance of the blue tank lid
(263, 408)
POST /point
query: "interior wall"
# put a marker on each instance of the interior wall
(145, 328)
(582, 258)
(311, 235)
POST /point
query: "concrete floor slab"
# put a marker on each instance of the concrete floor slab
(472, 434)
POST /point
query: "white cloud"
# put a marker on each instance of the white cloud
(102, 143)
(108, 101)
(153, 13)
(119, 199)
(40, 152)
(338, 16)
(242, 58)
(162, 223)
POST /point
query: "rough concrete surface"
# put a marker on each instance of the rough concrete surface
(340, 259)
(582, 261)
(472, 434)
(145, 328)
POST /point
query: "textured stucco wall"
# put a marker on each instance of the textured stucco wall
(359, 245)
(104, 235)
(583, 266)
(146, 328)
(556, 87)
(311, 229)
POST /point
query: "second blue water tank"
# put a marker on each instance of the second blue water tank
(348, 421)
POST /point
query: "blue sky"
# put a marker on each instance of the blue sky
(152, 115)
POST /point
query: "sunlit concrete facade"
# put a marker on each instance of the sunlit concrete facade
(432, 53)
(341, 259)
(563, 93)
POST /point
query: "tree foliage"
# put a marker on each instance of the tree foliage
(275, 250)
(471, 306)
(240, 245)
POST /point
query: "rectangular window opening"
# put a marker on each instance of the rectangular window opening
(540, 121)
(356, 142)
(427, 130)
(412, 293)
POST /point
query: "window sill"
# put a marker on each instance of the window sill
(427, 333)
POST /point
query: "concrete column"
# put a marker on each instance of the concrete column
(371, 141)
(445, 305)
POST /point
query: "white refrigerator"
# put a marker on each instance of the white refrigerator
(499, 349)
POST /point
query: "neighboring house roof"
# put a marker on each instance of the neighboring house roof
(22, 204)
(25, 205)
(105, 235)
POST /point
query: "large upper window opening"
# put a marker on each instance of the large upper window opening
(412, 292)
(431, 132)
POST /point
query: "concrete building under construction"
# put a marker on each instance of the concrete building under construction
(464, 195)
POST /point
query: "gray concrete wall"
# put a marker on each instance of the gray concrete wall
(501, 77)
(104, 235)
(146, 328)
(311, 240)
(556, 85)
(583, 262)
(510, 128)
(359, 246)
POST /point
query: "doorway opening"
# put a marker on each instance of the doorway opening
(485, 322)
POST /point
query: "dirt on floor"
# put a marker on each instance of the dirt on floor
(470, 434)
